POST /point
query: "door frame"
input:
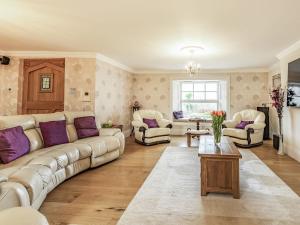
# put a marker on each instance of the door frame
(27, 69)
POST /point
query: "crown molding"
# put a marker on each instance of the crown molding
(113, 62)
(58, 54)
(289, 50)
(53, 54)
(275, 68)
(205, 71)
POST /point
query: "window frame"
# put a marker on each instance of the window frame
(217, 101)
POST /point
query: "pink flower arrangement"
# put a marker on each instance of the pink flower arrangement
(218, 118)
(277, 96)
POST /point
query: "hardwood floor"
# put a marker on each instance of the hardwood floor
(99, 196)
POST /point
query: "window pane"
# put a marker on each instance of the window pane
(199, 95)
(199, 87)
(211, 86)
(187, 86)
(187, 95)
(211, 96)
(199, 107)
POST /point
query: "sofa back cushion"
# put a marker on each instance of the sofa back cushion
(86, 127)
(148, 114)
(249, 115)
(70, 116)
(27, 122)
(13, 144)
(54, 133)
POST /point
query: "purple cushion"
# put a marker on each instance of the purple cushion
(54, 133)
(152, 123)
(178, 114)
(86, 127)
(243, 124)
(13, 144)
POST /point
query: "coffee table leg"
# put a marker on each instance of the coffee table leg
(236, 179)
(203, 177)
(188, 139)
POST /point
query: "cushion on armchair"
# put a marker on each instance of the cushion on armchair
(243, 124)
(152, 123)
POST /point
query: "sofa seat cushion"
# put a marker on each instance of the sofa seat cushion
(47, 161)
(24, 160)
(154, 132)
(65, 155)
(233, 132)
(101, 145)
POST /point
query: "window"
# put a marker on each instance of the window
(199, 96)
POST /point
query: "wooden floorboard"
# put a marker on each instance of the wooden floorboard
(99, 196)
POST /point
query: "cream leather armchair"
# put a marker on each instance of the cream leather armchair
(252, 135)
(151, 136)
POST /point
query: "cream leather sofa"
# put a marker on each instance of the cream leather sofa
(252, 135)
(27, 180)
(151, 136)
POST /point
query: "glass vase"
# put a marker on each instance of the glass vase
(217, 130)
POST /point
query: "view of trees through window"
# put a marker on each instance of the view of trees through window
(199, 96)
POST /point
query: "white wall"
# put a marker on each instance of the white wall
(291, 117)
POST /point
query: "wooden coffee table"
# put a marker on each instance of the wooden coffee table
(219, 166)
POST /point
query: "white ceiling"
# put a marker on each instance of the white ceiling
(148, 34)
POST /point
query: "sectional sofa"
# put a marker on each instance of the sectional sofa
(26, 181)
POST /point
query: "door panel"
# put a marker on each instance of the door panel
(43, 87)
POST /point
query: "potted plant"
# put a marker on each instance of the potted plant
(218, 118)
(277, 96)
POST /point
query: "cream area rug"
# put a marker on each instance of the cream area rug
(171, 195)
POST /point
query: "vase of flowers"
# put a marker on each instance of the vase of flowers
(277, 96)
(218, 118)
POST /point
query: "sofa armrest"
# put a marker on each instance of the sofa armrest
(109, 131)
(136, 123)
(229, 123)
(13, 194)
(164, 123)
(256, 126)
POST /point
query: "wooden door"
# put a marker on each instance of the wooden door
(43, 85)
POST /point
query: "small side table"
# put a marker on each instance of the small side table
(120, 126)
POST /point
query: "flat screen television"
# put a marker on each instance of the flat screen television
(293, 92)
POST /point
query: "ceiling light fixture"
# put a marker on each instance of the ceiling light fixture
(192, 68)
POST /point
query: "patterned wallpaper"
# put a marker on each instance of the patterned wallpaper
(247, 90)
(9, 75)
(113, 94)
(80, 78)
(153, 92)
